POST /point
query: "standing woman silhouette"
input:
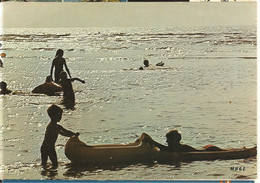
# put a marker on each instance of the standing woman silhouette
(58, 63)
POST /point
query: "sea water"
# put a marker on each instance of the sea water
(206, 90)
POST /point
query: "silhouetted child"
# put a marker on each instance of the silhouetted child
(173, 140)
(58, 63)
(4, 90)
(68, 93)
(51, 135)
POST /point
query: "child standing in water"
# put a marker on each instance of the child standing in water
(51, 135)
(68, 93)
(58, 62)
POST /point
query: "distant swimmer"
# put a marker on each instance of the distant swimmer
(160, 64)
(147, 66)
(48, 88)
(1, 63)
(58, 63)
(4, 89)
(51, 135)
(68, 93)
(146, 63)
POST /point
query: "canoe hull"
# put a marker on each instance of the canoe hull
(142, 152)
(244, 153)
(47, 88)
(107, 154)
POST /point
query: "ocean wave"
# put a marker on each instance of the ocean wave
(31, 37)
(213, 58)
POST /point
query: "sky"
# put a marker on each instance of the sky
(167, 14)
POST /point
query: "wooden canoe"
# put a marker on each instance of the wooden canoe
(48, 88)
(142, 152)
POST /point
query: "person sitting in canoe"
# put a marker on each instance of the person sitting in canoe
(68, 93)
(58, 63)
(48, 87)
(51, 135)
(173, 140)
(4, 89)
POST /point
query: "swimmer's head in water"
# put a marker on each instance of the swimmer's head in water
(3, 85)
(59, 53)
(63, 75)
(173, 135)
(55, 112)
(146, 63)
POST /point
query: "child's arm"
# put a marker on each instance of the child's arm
(149, 140)
(66, 67)
(73, 79)
(65, 132)
(52, 66)
(160, 146)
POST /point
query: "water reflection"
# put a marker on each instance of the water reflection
(49, 172)
(79, 171)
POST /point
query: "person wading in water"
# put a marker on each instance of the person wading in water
(58, 63)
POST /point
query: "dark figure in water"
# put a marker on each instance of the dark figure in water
(160, 64)
(146, 64)
(58, 62)
(173, 140)
(48, 88)
(4, 89)
(1, 63)
(51, 135)
(68, 92)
